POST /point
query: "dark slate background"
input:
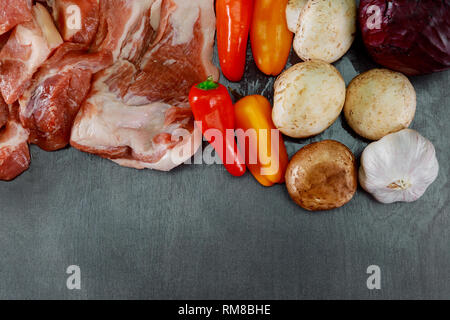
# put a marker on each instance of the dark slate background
(198, 233)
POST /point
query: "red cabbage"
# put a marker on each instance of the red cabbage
(410, 36)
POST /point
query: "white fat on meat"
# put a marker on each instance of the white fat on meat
(155, 15)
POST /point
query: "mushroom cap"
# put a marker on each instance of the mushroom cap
(322, 176)
(308, 99)
(326, 29)
(380, 102)
(293, 11)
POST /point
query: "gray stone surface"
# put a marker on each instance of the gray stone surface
(198, 233)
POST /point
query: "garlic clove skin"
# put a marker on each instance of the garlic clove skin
(399, 167)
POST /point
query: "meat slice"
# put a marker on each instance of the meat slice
(180, 57)
(3, 105)
(133, 136)
(3, 39)
(124, 28)
(138, 113)
(49, 106)
(29, 45)
(77, 20)
(3, 113)
(14, 12)
(14, 151)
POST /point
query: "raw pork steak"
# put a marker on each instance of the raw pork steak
(49, 106)
(13, 12)
(3, 113)
(14, 152)
(29, 45)
(137, 113)
(77, 20)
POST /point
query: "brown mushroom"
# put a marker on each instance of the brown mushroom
(322, 176)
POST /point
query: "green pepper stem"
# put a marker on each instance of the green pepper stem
(209, 84)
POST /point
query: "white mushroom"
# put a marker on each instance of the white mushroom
(308, 98)
(293, 10)
(380, 102)
(326, 29)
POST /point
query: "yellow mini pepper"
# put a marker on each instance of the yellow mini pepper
(254, 115)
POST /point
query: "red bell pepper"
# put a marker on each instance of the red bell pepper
(212, 106)
(233, 24)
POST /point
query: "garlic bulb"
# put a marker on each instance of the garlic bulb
(399, 167)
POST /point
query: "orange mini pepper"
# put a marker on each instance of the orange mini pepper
(270, 37)
(255, 130)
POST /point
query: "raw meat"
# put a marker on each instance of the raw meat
(29, 45)
(180, 57)
(124, 28)
(13, 12)
(77, 20)
(3, 113)
(3, 105)
(14, 151)
(137, 113)
(49, 106)
(3, 39)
